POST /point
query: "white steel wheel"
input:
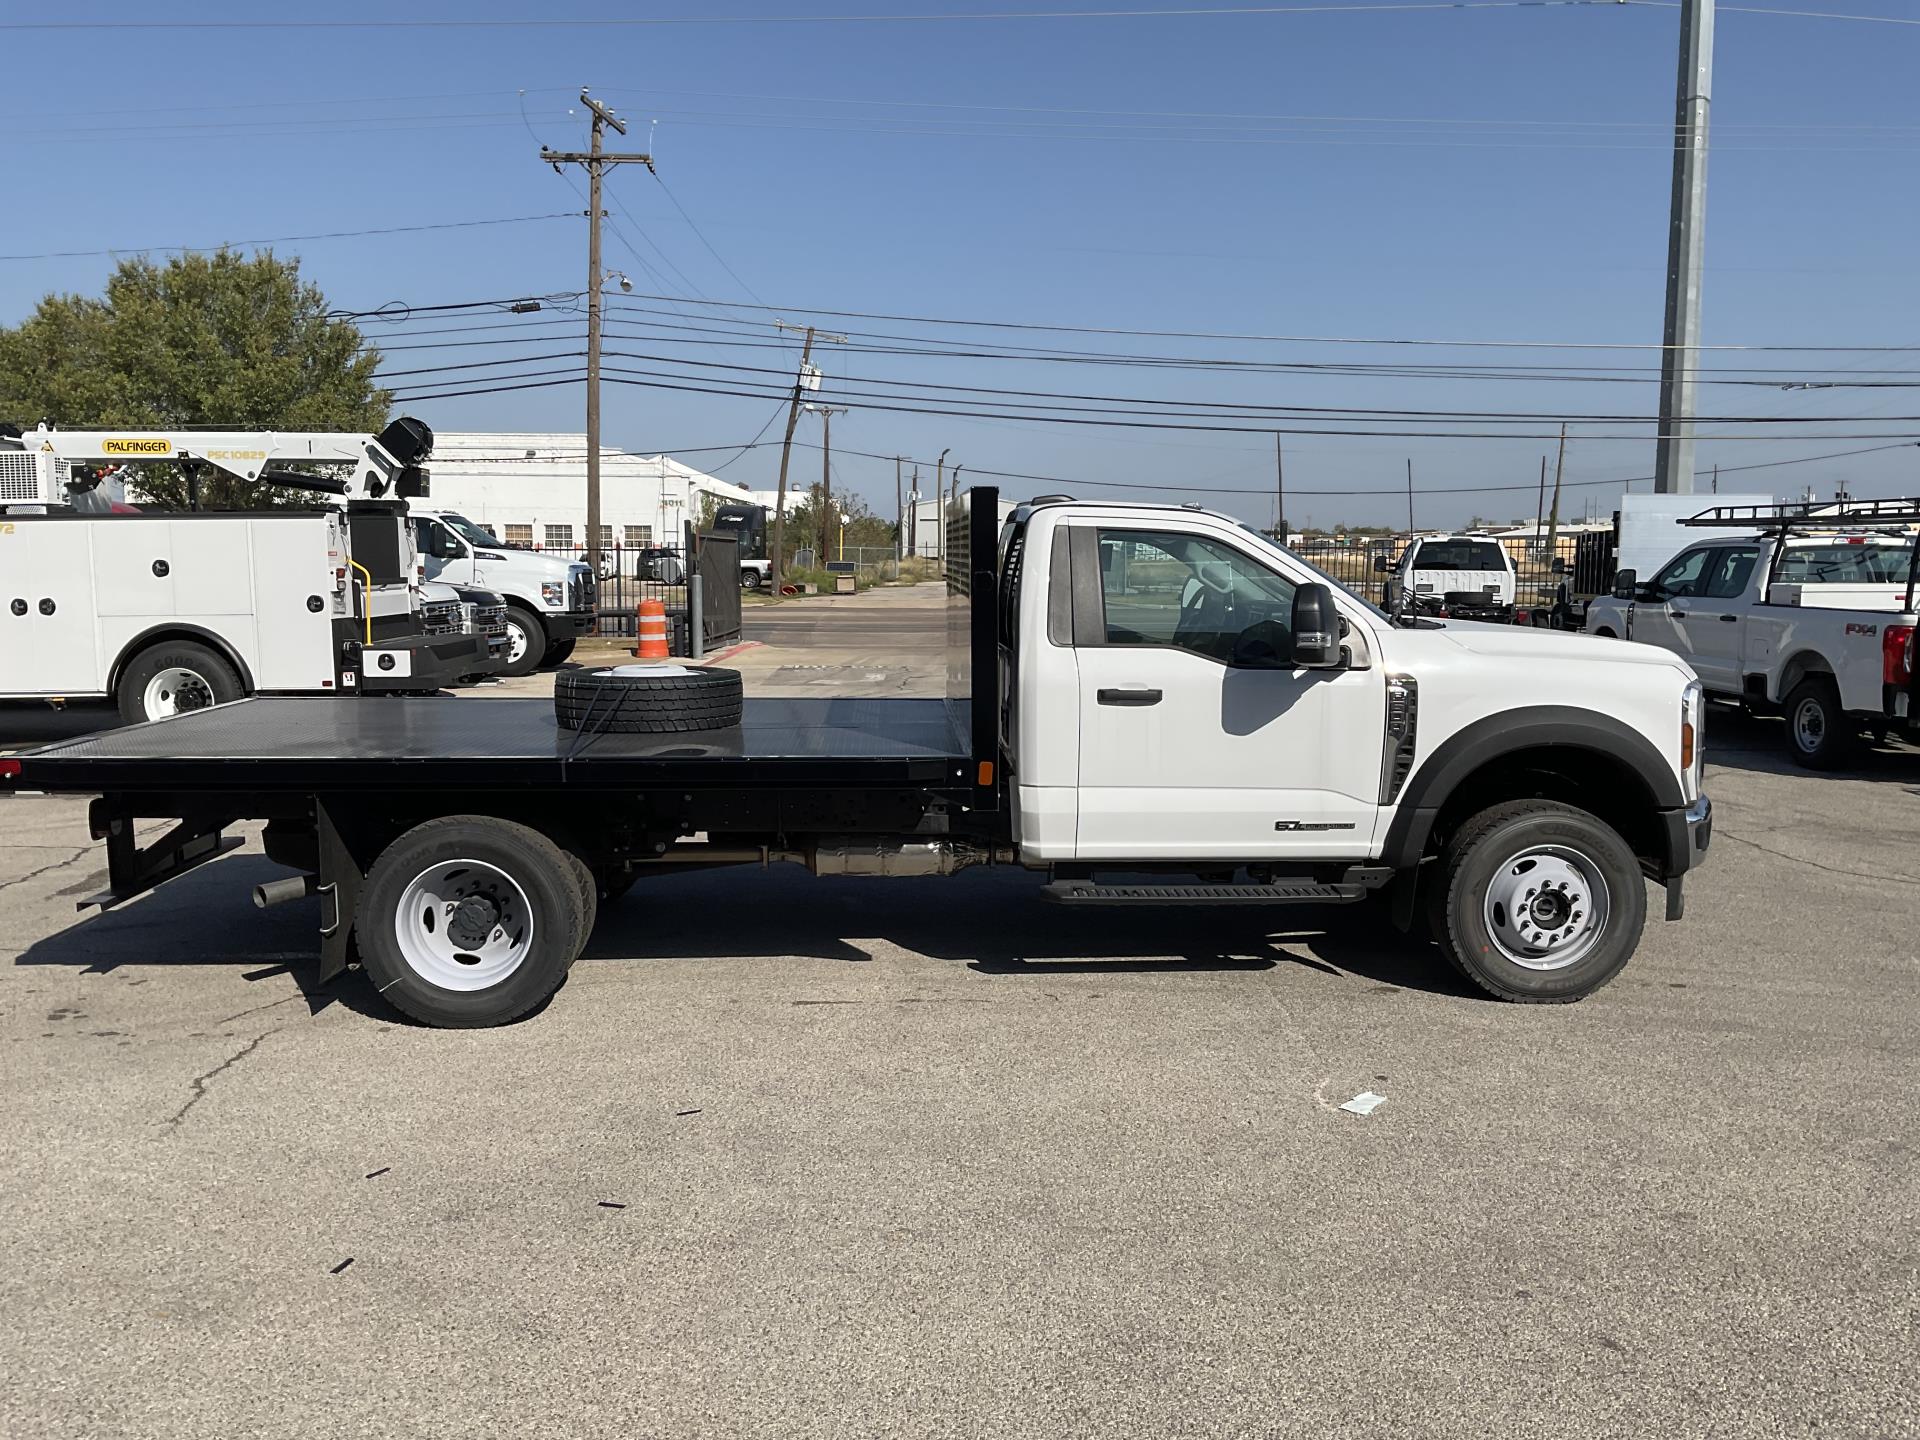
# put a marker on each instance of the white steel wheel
(1810, 724)
(464, 925)
(176, 690)
(1546, 907)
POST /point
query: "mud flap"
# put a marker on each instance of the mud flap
(1677, 897)
(341, 874)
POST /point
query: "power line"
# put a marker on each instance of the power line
(621, 22)
(283, 239)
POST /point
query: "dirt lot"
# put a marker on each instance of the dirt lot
(790, 1157)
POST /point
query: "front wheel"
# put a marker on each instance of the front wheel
(1542, 903)
(1819, 734)
(558, 652)
(526, 642)
(470, 921)
(174, 677)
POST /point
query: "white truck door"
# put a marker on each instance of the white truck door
(1717, 621)
(446, 556)
(48, 641)
(1663, 608)
(1182, 755)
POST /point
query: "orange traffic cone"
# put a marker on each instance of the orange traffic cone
(650, 620)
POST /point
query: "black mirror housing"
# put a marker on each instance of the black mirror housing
(1626, 584)
(1559, 564)
(1381, 565)
(1316, 628)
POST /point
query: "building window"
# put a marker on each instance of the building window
(520, 535)
(606, 537)
(559, 537)
(639, 536)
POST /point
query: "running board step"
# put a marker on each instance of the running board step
(1280, 892)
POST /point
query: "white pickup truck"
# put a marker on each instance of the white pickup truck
(1468, 576)
(551, 601)
(1150, 706)
(1814, 622)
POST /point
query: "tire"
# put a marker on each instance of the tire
(1496, 858)
(1819, 734)
(1606, 634)
(558, 653)
(174, 677)
(526, 642)
(589, 889)
(415, 957)
(647, 699)
(751, 580)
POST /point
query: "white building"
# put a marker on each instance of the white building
(925, 535)
(531, 489)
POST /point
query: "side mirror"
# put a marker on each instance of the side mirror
(1626, 584)
(1559, 564)
(1316, 628)
(1381, 565)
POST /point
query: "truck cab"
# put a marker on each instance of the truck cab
(747, 524)
(551, 601)
(1470, 576)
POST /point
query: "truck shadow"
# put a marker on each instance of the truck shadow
(1758, 744)
(993, 921)
(24, 724)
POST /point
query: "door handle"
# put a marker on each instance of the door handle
(1729, 619)
(1130, 696)
(1678, 614)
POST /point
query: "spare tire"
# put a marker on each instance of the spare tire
(647, 699)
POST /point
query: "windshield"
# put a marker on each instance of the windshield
(468, 531)
(1873, 562)
(1460, 555)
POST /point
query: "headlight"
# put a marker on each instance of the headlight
(553, 592)
(1693, 739)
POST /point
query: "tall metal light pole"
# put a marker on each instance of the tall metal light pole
(597, 161)
(1680, 359)
(826, 413)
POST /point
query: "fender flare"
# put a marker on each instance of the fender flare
(1529, 728)
(183, 630)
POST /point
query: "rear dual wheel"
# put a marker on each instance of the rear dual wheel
(472, 921)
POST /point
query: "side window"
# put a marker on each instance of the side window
(1682, 577)
(1162, 587)
(1731, 570)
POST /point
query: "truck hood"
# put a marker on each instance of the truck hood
(1527, 642)
(530, 563)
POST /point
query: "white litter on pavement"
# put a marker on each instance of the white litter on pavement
(1365, 1103)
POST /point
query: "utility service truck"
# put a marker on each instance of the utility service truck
(165, 612)
(1146, 705)
(1805, 609)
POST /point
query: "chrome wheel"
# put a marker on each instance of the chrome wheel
(174, 691)
(463, 925)
(1547, 907)
(1810, 725)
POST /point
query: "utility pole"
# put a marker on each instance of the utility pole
(1553, 517)
(827, 412)
(1279, 493)
(801, 379)
(597, 161)
(1540, 509)
(1409, 497)
(899, 510)
(1686, 227)
(913, 513)
(940, 500)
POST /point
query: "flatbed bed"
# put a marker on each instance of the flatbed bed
(407, 743)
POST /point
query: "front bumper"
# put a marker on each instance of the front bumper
(1689, 833)
(570, 624)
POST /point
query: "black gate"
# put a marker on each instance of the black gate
(716, 560)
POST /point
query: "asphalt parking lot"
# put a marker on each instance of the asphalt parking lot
(795, 1157)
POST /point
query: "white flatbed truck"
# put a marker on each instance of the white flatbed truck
(1149, 706)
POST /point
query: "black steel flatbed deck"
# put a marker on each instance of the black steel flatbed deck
(328, 743)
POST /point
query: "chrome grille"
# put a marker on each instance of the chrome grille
(491, 620)
(441, 617)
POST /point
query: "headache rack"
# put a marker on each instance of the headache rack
(1776, 522)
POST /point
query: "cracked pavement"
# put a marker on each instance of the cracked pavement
(931, 1158)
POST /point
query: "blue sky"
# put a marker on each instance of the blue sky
(1491, 174)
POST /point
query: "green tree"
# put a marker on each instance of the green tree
(217, 340)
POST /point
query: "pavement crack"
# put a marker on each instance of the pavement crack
(1817, 865)
(47, 869)
(200, 1083)
(283, 1000)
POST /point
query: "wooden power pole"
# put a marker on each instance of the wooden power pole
(827, 523)
(804, 379)
(1279, 493)
(899, 510)
(1553, 516)
(597, 160)
(1409, 497)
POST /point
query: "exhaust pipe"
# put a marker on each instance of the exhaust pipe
(279, 892)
